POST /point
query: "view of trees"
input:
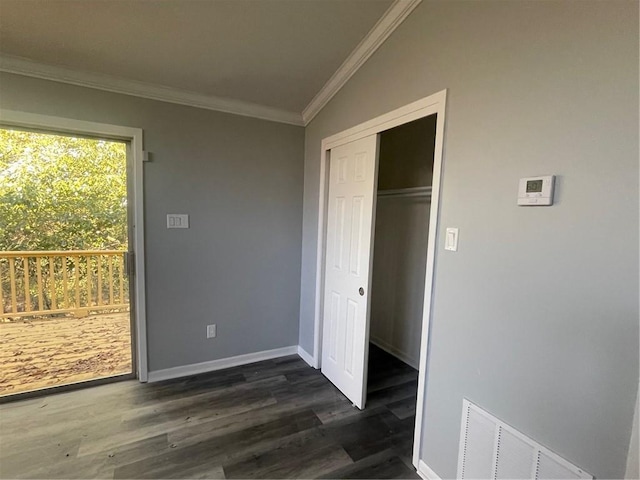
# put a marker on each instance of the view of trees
(61, 193)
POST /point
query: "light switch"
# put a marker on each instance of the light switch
(175, 220)
(451, 239)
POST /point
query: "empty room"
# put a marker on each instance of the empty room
(319, 239)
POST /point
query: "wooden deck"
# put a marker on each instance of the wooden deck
(53, 351)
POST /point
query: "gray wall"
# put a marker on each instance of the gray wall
(240, 179)
(536, 316)
(406, 155)
(397, 280)
(633, 460)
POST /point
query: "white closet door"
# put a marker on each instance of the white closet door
(350, 214)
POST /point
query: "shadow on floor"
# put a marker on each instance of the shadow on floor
(273, 419)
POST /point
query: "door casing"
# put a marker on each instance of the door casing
(433, 104)
(134, 138)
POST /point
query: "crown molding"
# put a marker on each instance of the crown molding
(392, 18)
(23, 66)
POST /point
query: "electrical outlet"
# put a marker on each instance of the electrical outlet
(211, 331)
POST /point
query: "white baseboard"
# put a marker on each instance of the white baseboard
(213, 365)
(425, 472)
(394, 351)
(303, 354)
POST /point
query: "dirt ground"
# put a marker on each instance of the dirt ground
(47, 352)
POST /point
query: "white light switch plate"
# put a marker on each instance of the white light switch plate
(451, 240)
(175, 220)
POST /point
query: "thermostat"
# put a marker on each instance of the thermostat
(535, 191)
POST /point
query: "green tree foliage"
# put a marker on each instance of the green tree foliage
(61, 193)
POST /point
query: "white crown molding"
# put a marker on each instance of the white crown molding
(393, 17)
(109, 83)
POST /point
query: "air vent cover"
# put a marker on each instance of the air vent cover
(491, 449)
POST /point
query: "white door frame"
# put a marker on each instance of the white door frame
(134, 136)
(424, 107)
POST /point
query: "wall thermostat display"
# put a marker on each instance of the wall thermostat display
(536, 191)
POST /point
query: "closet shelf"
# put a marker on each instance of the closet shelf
(406, 192)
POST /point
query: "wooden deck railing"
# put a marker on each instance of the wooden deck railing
(52, 282)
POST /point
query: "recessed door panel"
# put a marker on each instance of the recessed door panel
(339, 233)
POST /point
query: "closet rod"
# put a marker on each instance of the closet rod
(406, 192)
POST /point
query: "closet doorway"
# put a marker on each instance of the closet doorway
(378, 219)
(405, 176)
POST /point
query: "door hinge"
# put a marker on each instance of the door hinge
(130, 263)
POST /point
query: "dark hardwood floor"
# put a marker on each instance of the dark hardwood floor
(272, 419)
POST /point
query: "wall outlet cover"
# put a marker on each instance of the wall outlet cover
(211, 331)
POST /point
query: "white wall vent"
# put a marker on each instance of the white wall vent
(491, 449)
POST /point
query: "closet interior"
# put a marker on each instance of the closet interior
(405, 173)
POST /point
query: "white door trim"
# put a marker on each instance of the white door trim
(134, 136)
(424, 107)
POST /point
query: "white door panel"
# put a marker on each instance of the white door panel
(350, 214)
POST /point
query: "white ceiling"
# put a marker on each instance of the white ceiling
(276, 53)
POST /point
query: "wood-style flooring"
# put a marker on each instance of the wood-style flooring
(272, 419)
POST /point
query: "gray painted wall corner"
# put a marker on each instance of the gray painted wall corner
(240, 180)
(633, 457)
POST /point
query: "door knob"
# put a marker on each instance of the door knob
(361, 291)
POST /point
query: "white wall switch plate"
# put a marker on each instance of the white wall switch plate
(211, 331)
(177, 220)
(451, 239)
